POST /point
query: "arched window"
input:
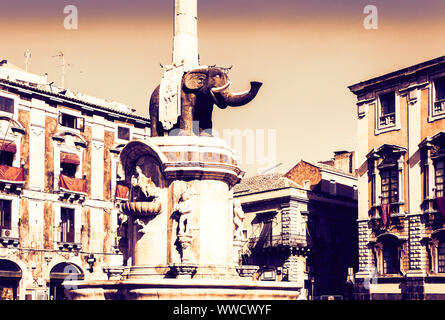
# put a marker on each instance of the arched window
(388, 254)
(10, 275)
(60, 273)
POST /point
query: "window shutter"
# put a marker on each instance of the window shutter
(80, 124)
(60, 118)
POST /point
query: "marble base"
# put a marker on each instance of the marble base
(180, 289)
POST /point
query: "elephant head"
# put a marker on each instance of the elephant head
(201, 90)
(212, 87)
(213, 84)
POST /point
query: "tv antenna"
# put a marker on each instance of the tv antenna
(61, 55)
(27, 57)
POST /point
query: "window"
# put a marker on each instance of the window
(6, 158)
(332, 187)
(123, 133)
(390, 258)
(439, 177)
(390, 186)
(6, 105)
(439, 102)
(69, 164)
(68, 169)
(71, 121)
(5, 214)
(67, 225)
(441, 257)
(388, 109)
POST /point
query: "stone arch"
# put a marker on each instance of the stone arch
(135, 152)
(393, 242)
(61, 134)
(59, 275)
(10, 277)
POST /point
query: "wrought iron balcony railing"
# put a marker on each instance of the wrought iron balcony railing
(388, 119)
(277, 241)
(439, 106)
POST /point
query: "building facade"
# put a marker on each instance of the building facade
(59, 184)
(401, 154)
(300, 226)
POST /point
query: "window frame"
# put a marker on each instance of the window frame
(16, 99)
(76, 116)
(2, 215)
(441, 257)
(67, 223)
(433, 115)
(436, 183)
(130, 133)
(393, 173)
(395, 125)
(77, 225)
(393, 253)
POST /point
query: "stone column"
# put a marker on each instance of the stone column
(37, 141)
(185, 46)
(416, 252)
(364, 252)
(291, 222)
(97, 158)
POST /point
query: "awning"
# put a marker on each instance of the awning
(69, 158)
(11, 174)
(73, 184)
(8, 146)
(121, 192)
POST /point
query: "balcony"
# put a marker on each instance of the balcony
(434, 208)
(388, 120)
(122, 193)
(72, 188)
(68, 246)
(11, 178)
(275, 241)
(396, 216)
(439, 107)
(9, 237)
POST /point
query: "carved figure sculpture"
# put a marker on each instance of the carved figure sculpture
(238, 217)
(201, 89)
(123, 223)
(184, 208)
(141, 225)
(145, 184)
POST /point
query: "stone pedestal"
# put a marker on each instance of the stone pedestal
(180, 219)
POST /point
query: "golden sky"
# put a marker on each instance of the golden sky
(305, 52)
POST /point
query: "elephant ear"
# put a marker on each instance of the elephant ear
(194, 80)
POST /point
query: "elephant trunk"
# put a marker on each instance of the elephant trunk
(223, 97)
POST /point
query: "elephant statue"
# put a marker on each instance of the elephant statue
(201, 89)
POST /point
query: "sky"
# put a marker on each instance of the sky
(305, 52)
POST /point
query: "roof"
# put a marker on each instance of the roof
(263, 182)
(405, 72)
(324, 166)
(65, 94)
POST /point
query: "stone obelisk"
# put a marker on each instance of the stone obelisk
(185, 43)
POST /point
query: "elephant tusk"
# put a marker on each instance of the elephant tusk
(240, 93)
(224, 87)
